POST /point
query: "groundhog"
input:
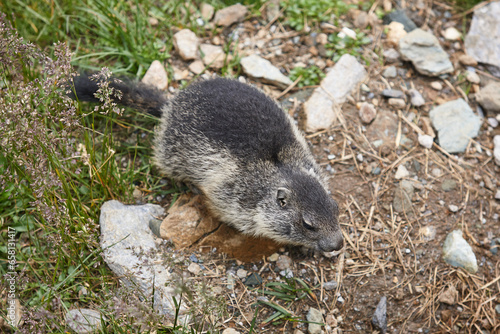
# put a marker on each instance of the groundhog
(243, 153)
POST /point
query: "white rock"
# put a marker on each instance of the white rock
(458, 253)
(402, 172)
(229, 15)
(338, 83)
(489, 97)
(452, 34)
(417, 99)
(453, 208)
(367, 112)
(497, 195)
(425, 140)
(180, 74)
(84, 320)
(186, 43)
(314, 317)
(496, 151)
(473, 77)
(194, 268)
(349, 32)
(241, 273)
(436, 85)
(207, 11)
(493, 122)
(396, 31)
(213, 55)
(262, 69)
(230, 331)
(197, 67)
(156, 76)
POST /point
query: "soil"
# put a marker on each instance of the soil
(388, 253)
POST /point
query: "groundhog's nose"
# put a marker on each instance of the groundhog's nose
(334, 243)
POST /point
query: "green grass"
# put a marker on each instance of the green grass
(309, 76)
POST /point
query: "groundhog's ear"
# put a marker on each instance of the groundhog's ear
(282, 196)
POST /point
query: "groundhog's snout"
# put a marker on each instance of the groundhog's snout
(331, 244)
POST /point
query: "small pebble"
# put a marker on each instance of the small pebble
(329, 285)
(493, 122)
(436, 85)
(331, 156)
(473, 78)
(417, 99)
(402, 172)
(452, 34)
(241, 273)
(273, 258)
(395, 93)
(425, 140)
(453, 208)
(367, 112)
(398, 103)
(390, 72)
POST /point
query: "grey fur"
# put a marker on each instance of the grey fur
(249, 160)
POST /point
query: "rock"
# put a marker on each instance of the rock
(362, 20)
(284, 262)
(253, 280)
(428, 232)
(338, 83)
(156, 76)
(315, 318)
(489, 97)
(456, 124)
(124, 235)
(496, 150)
(467, 60)
(472, 77)
(84, 320)
(273, 258)
(448, 185)
(186, 43)
(367, 112)
(241, 273)
(379, 319)
(391, 55)
(207, 11)
(483, 38)
(230, 331)
(329, 286)
(402, 172)
(493, 122)
(383, 130)
(495, 245)
(396, 31)
(229, 15)
(417, 99)
(262, 69)
(497, 308)
(272, 9)
(424, 51)
(398, 103)
(212, 55)
(194, 268)
(390, 72)
(197, 67)
(393, 93)
(436, 85)
(449, 296)
(452, 34)
(401, 17)
(425, 140)
(403, 196)
(453, 208)
(458, 253)
(188, 223)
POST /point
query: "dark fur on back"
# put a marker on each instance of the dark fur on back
(134, 95)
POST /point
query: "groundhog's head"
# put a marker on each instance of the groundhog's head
(298, 210)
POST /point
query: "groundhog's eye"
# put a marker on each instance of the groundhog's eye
(307, 226)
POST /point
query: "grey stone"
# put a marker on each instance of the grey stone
(456, 124)
(458, 253)
(497, 308)
(489, 97)
(495, 246)
(125, 234)
(379, 319)
(207, 11)
(284, 262)
(253, 280)
(425, 140)
(338, 83)
(449, 185)
(186, 43)
(483, 40)
(424, 51)
(156, 76)
(391, 55)
(393, 93)
(403, 196)
(229, 15)
(315, 318)
(398, 103)
(383, 129)
(496, 150)
(330, 285)
(401, 17)
(390, 72)
(262, 69)
(84, 320)
(417, 99)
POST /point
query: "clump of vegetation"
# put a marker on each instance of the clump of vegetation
(340, 45)
(301, 13)
(309, 76)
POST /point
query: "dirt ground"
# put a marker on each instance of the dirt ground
(396, 255)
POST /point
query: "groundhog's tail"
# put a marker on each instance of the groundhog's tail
(134, 95)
